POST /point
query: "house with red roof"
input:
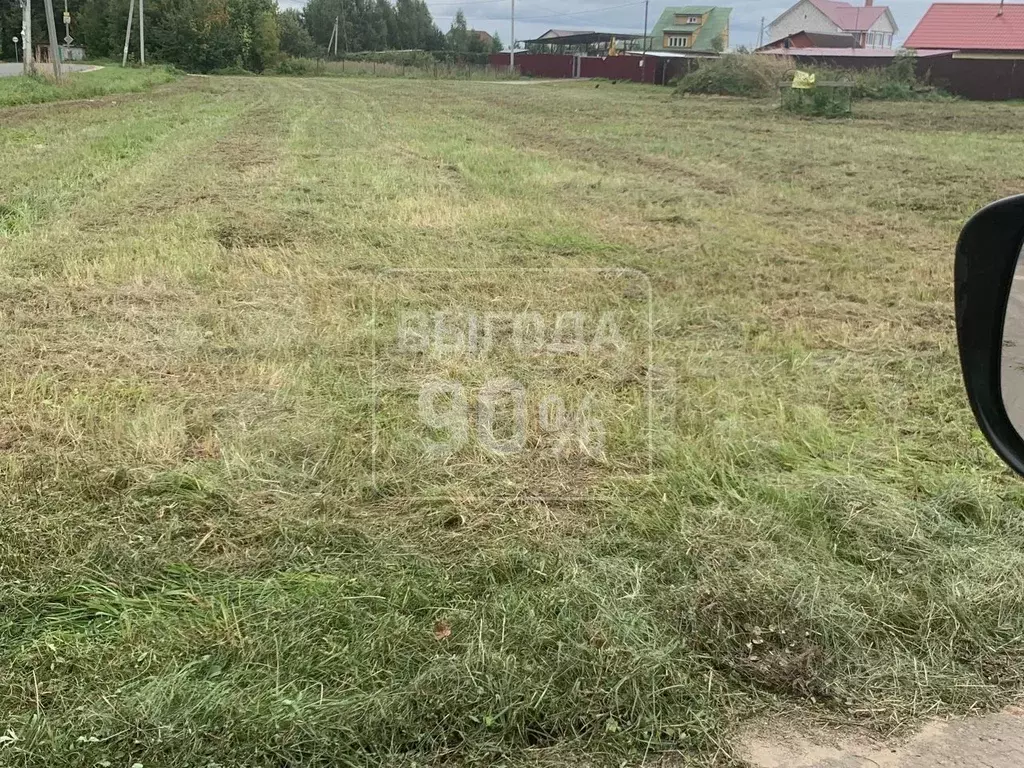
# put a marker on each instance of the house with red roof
(870, 25)
(973, 30)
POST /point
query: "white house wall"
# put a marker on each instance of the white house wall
(883, 25)
(802, 18)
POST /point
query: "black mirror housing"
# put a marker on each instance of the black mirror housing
(986, 259)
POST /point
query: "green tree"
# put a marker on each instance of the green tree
(386, 18)
(294, 39)
(319, 16)
(458, 37)
(193, 34)
(94, 29)
(415, 27)
(266, 47)
(496, 44)
(476, 44)
(364, 25)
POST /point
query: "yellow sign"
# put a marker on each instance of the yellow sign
(803, 80)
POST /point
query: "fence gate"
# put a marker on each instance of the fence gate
(577, 60)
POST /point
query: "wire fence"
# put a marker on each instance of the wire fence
(438, 70)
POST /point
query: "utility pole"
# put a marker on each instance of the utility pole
(512, 50)
(643, 58)
(68, 39)
(760, 33)
(646, 4)
(333, 42)
(142, 34)
(337, 32)
(51, 28)
(27, 59)
(128, 32)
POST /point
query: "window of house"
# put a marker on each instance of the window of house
(677, 41)
(693, 19)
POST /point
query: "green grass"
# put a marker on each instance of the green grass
(16, 91)
(197, 569)
(420, 67)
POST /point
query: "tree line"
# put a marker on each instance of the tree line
(208, 35)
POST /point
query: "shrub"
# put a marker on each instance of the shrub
(896, 82)
(737, 74)
(296, 67)
(818, 102)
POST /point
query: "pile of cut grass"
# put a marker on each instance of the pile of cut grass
(737, 74)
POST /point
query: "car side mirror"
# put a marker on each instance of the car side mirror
(989, 284)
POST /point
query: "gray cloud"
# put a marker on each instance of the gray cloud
(534, 17)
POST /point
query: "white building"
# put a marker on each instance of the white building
(873, 26)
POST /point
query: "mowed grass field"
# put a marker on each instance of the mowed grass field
(201, 564)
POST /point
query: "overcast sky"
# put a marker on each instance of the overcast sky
(534, 17)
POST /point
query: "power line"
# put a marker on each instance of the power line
(590, 11)
(627, 29)
(584, 13)
(469, 4)
(646, 8)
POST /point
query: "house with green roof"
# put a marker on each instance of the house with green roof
(699, 28)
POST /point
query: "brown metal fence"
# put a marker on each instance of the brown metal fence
(639, 69)
(982, 79)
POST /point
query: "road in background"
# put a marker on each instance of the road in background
(11, 69)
